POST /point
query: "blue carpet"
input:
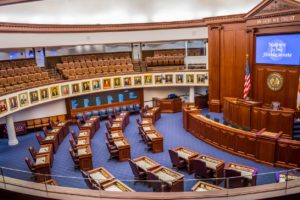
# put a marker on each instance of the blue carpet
(170, 125)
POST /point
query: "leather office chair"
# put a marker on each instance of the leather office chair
(141, 114)
(156, 184)
(199, 167)
(234, 179)
(176, 160)
(45, 130)
(30, 164)
(138, 174)
(74, 158)
(32, 152)
(147, 141)
(74, 135)
(110, 120)
(138, 122)
(39, 138)
(114, 153)
(88, 182)
(73, 145)
(109, 138)
(108, 127)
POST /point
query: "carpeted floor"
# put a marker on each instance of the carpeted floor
(170, 125)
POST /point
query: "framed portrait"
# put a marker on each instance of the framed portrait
(65, 90)
(201, 78)
(75, 88)
(169, 79)
(148, 79)
(158, 79)
(44, 94)
(86, 86)
(137, 80)
(127, 81)
(96, 84)
(3, 106)
(34, 97)
(117, 82)
(23, 99)
(13, 103)
(106, 83)
(179, 78)
(54, 90)
(189, 78)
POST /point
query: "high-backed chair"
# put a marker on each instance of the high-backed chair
(39, 138)
(138, 122)
(30, 165)
(88, 182)
(234, 178)
(114, 153)
(109, 138)
(138, 174)
(32, 152)
(124, 108)
(73, 145)
(108, 127)
(45, 130)
(200, 169)
(109, 111)
(74, 135)
(156, 184)
(176, 160)
(103, 113)
(74, 158)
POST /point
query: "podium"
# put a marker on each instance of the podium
(168, 105)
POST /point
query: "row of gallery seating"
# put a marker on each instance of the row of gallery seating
(37, 124)
(17, 64)
(97, 71)
(94, 57)
(104, 113)
(177, 52)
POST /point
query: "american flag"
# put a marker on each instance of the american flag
(247, 84)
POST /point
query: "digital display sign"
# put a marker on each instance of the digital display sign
(103, 98)
(278, 49)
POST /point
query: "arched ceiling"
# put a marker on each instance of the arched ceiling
(119, 11)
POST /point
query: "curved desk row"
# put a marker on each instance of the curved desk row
(264, 147)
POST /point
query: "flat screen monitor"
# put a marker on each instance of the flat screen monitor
(281, 49)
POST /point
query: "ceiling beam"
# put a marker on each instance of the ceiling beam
(9, 2)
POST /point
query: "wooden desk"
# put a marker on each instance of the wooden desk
(100, 176)
(238, 111)
(242, 143)
(249, 173)
(85, 157)
(83, 140)
(117, 134)
(201, 186)
(47, 149)
(214, 164)
(53, 140)
(116, 186)
(96, 121)
(274, 120)
(282, 177)
(187, 108)
(157, 141)
(42, 166)
(266, 146)
(125, 115)
(171, 177)
(168, 105)
(187, 155)
(123, 147)
(146, 121)
(153, 113)
(59, 132)
(117, 126)
(84, 133)
(145, 163)
(89, 126)
(120, 121)
(64, 126)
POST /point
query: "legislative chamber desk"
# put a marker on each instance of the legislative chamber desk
(156, 138)
(251, 145)
(42, 167)
(145, 163)
(100, 176)
(168, 105)
(188, 108)
(250, 115)
(123, 147)
(187, 155)
(153, 114)
(85, 157)
(46, 149)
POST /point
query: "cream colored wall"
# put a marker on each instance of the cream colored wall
(20, 40)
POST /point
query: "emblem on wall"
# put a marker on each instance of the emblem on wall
(275, 81)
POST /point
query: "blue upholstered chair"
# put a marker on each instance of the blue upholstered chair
(103, 113)
(88, 115)
(137, 106)
(79, 116)
(118, 110)
(95, 113)
(131, 108)
(124, 108)
(110, 112)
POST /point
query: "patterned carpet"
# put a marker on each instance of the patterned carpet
(170, 125)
